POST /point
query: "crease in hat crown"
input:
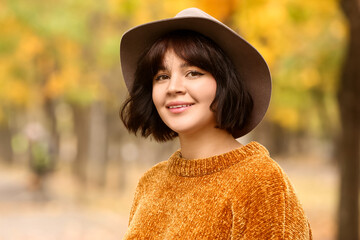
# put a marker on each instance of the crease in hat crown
(193, 12)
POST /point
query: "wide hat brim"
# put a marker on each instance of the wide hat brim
(247, 60)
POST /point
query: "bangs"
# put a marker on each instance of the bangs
(190, 46)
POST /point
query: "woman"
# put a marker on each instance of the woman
(194, 78)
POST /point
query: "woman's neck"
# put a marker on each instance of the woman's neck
(207, 144)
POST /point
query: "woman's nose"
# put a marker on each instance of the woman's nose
(176, 85)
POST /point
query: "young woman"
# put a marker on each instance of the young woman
(194, 78)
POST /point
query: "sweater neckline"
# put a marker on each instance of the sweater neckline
(205, 166)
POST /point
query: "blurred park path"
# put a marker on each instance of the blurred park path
(26, 214)
(316, 182)
(61, 212)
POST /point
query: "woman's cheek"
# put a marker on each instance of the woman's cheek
(156, 96)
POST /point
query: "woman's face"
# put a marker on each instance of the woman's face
(182, 95)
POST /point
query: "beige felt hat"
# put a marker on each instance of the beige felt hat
(247, 60)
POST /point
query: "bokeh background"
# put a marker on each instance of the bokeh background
(68, 168)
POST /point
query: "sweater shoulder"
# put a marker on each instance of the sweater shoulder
(263, 165)
(259, 171)
(153, 173)
(259, 159)
(260, 175)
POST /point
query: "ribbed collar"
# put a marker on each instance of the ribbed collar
(204, 166)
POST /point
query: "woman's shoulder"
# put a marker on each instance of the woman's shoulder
(259, 160)
(154, 173)
(259, 169)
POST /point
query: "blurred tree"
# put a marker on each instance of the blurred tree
(303, 43)
(349, 102)
(55, 53)
(15, 94)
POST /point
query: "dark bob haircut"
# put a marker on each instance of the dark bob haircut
(232, 103)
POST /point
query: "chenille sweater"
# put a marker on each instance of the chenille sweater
(242, 194)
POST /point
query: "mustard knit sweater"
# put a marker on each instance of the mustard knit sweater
(242, 194)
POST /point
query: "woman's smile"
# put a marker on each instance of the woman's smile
(178, 107)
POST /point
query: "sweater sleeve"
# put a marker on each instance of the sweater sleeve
(137, 196)
(266, 207)
(147, 179)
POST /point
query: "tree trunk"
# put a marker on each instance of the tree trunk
(98, 158)
(82, 126)
(349, 99)
(6, 153)
(54, 138)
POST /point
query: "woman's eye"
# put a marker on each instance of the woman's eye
(161, 77)
(194, 74)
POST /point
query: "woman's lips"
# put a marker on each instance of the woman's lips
(178, 107)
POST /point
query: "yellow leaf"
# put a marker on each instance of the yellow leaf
(310, 78)
(54, 87)
(29, 46)
(17, 93)
(286, 117)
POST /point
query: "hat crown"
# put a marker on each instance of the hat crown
(194, 12)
